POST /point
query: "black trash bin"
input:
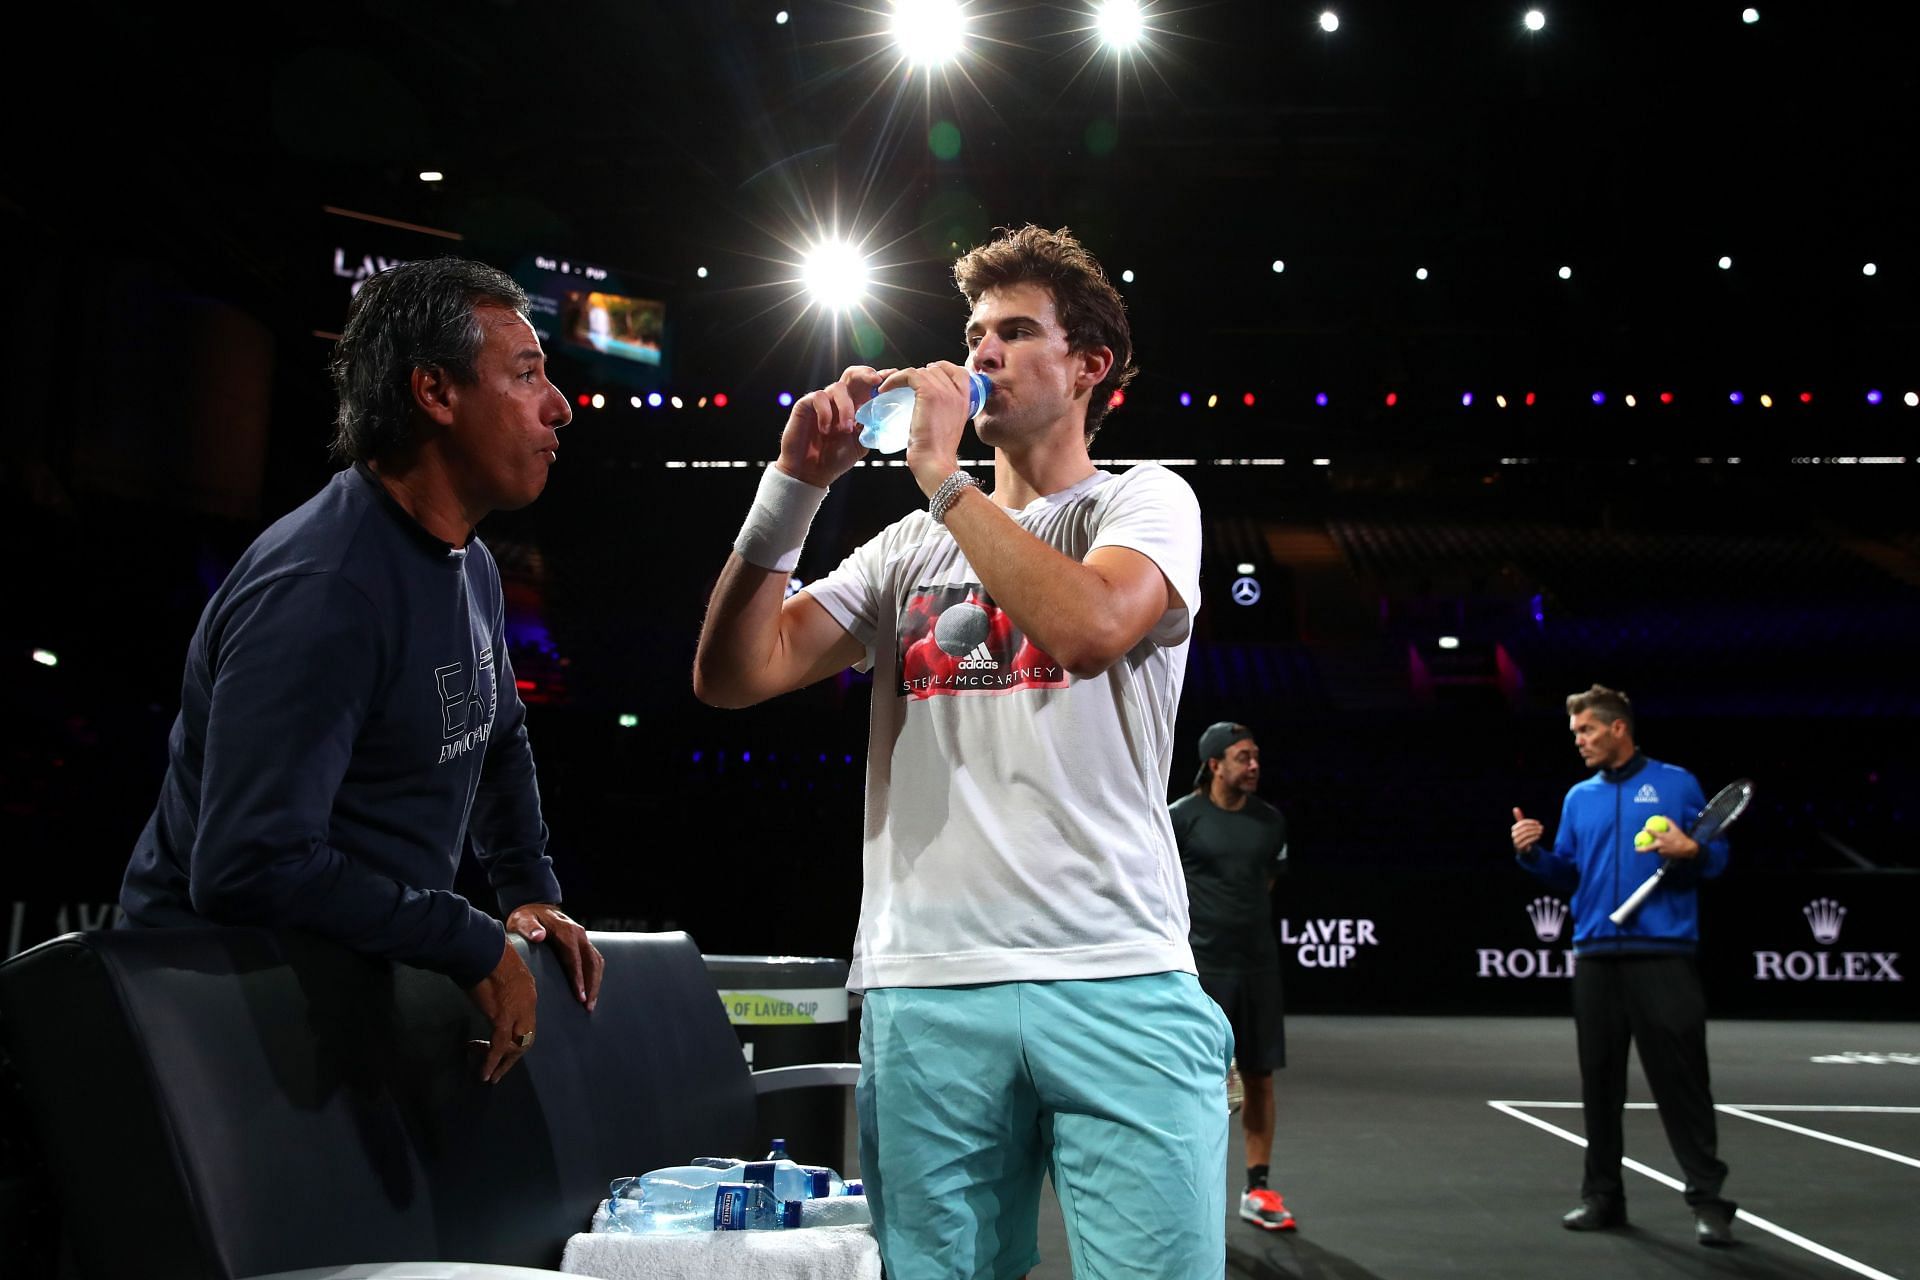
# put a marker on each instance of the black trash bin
(788, 1011)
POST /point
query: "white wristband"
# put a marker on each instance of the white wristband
(776, 524)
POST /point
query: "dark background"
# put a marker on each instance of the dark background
(183, 190)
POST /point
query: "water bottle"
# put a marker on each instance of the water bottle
(751, 1206)
(625, 1212)
(684, 1192)
(885, 419)
(793, 1181)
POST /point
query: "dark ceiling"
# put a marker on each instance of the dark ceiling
(1634, 142)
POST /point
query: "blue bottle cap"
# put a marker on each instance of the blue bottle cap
(790, 1213)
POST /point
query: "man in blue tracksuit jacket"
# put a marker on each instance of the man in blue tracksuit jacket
(1636, 982)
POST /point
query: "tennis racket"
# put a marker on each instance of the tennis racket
(1727, 804)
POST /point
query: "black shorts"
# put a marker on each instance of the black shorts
(1251, 1001)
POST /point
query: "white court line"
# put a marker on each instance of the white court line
(1747, 1114)
(1811, 1246)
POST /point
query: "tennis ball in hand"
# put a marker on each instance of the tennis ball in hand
(1643, 841)
(1657, 824)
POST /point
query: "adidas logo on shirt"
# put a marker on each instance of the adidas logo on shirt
(979, 659)
(1646, 794)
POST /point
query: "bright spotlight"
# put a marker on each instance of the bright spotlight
(701, 272)
(1119, 23)
(654, 399)
(1726, 263)
(1749, 16)
(929, 32)
(1535, 20)
(1566, 273)
(1449, 642)
(635, 401)
(1419, 273)
(1912, 399)
(432, 175)
(599, 401)
(1278, 266)
(1126, 277)
(835, 275)
(1244, 567)
(780, 18)
(1870, 269)
(46, 657)
(1329, 21)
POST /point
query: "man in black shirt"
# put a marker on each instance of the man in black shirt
(349, 723)
(1233, 846)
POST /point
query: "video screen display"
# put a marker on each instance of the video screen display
(614, 325)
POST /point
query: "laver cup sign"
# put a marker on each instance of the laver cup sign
(1825, 919)
(1548, 916)
(1327, 944)
(785, 1008)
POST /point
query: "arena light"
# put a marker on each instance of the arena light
(700, 272)
(929, 32)
(1247, 399)
(834, 274)
(1329, 22)
(583, 399)
(1126, 277)
(1599, 397)
(654, 399)
(1501, 401)
(1119, 23)
(432, 175)
(1419, 273)
(719, 399)
(1392, 399)
(1666, 397)
(1213, 401)
(1766, 401)
(1869, 269)
(785, 398)
(634, 401)
(1186, 398)
(1749, 16)
(1912, 399)
(1320, 398)
(1535, 20)
(629, 721)
(676, 403)
(1244, 567)
(1631, 402)
(1466, 399)
(1566, 273)
(1873, 397)
(1726, 263)
(1117, 399)
(1529, 399)
(1806, 397)
(1734, 397)
(780, 18)
(46, 657)
(1278, 266)
(599, 401)
(1449, 642)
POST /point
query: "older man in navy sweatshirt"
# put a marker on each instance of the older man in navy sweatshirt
(349, 721)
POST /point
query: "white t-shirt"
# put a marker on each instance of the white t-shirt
(1017, 823)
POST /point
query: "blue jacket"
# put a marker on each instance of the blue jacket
(1594, 860)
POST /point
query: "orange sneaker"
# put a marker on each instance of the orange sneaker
(1264, 1208)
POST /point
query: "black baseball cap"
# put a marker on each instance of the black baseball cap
(1214, 743)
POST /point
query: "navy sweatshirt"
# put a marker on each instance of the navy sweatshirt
(1593, 859)
(348, 725)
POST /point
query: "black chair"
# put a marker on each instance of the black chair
(224, 1103)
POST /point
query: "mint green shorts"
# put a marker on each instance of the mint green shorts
(1116, 1086)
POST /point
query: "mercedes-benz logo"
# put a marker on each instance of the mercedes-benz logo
(1246, 591)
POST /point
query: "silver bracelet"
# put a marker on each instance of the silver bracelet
(949, 493)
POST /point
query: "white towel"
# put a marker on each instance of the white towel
(812, 1253)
